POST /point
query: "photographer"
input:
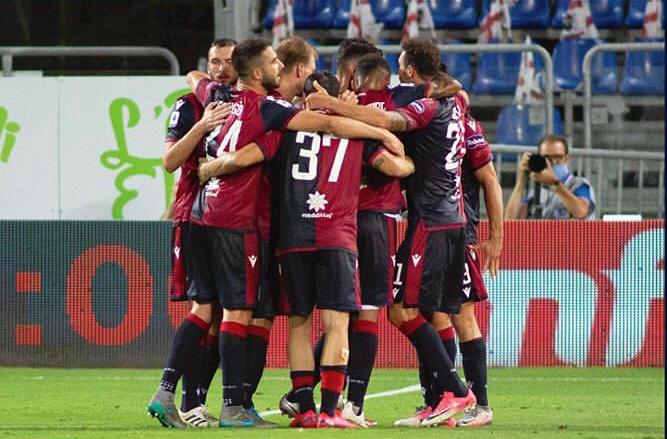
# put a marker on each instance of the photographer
(563, 195)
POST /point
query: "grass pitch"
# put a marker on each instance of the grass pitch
(528, 403)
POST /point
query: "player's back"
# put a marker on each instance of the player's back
(437, 149)
(319, 183)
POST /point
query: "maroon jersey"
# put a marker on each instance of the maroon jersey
(478, 154)
(184, 114)
(318, 179)
(436, 146)
(230, 201)
(208, 91)
(379, 192)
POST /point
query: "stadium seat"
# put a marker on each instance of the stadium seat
(497, 73)
(568, 57)
(526, 14)
(323, 61)
(514, 128)
(454, 14)
(458, 65)
(607, 14)
(313, 14)
(389, 12)
(644, 72)
(392, 58)
(635, 17)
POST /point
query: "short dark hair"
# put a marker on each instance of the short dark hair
(370, 64)
(326, 79)
(223, 42)
(554, 138)
(423, 55)
(246, 55)
(295, 50)
(351, 49)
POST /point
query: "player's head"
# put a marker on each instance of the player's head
(420, 59)
(327, 80)
(349, 52)
(554, 148)
(256, 62)
(299, 59)
(219, 61)
(372, 72)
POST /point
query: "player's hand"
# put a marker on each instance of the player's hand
(393, 144)
(318, 100)
(349, 96)
(546, 176)
(216, 113)
(491, 249)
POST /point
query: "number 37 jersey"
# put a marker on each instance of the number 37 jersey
(318, 178)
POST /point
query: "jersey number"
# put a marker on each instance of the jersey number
(311, 153)
(229, 141)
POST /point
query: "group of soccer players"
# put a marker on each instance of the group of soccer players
(292, 184)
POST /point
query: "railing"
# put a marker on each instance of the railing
(602, 156)
(487, 48)
(8, 54)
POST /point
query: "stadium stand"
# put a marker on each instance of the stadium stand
(497, 73)
(314, 14)
(392, 58)
(607, 14)
(389, 12)
(454, 14)
(514, 126)
(644, 72)
(458, 65)
(527, 14)
(568, 57)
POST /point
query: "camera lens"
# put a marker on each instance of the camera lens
(536, 163)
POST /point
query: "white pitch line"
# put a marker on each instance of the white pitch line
(407, 389)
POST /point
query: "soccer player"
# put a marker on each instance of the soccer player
(183, 148)
(227, 262)
(317, 246)
(430, 262)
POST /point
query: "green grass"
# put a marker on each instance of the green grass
(528, 403)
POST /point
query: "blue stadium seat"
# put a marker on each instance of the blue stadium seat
(607, 14)
(635, 17)
(307, 14)
(389, 12)
(392, 58)
(644, 72)
(454, 14)
(526, 14)
(513, 126)
(568, 57)
(458, 65)
(323, 61)
(497, 73)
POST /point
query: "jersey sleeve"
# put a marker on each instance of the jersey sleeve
(208, 91)
(419, 113)
(269, 143)
(403, 94)
(371, 150)
(181, 120)
(276, 113)
(478, 151)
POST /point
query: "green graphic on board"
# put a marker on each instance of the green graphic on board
(8, 131)
(125, 114)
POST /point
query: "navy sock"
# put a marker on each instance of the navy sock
(258, 341)
(430, 349)
(233, 353)
(183, 348)
(448, 337)
(210, 365)
(332, 379)
(302, 389)
(192, 379)
(429, 393)
(363, 349)
(474, 367)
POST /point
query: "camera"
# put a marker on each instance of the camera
(536, 163)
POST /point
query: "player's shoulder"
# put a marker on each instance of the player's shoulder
(187, 101)
(275, 99)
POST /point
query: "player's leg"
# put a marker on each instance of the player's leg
(337, 295)
(473, 348)
(298, 285)
(237, 280)
(211, 361)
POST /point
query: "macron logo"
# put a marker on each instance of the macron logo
(179, 103)
(416, 258)
(395, 291)
(177, 252)
(466, 291)
(253, 260)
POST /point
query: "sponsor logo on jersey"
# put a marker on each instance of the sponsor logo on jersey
(416, 258)
(475, 141)
(317, 202)
(378, 105)
(418, 106)
(253, 260)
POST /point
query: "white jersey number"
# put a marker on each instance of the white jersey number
(311, 153)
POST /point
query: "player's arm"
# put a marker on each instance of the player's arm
(392, 165)
(230, 162)
(444, 86)
(493, 199)
(193, 78)
(177, 152)
(344, 127)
